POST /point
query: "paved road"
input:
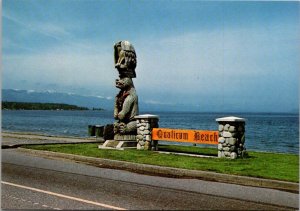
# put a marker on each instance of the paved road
(11, 139)
(37, 183)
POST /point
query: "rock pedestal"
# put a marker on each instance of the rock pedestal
(117, 141)
(231, 137)
(145, 124)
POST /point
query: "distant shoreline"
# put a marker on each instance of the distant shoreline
(43, 106)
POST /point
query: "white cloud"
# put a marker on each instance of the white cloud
(30, 91)
(52, 30)
(244, 63)
(47, 29)
(63, 67)
(207, 60)
(50, 91)
(154, 102)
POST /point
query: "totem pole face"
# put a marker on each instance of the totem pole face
(125, 59)
(117, 50)
(124, 83)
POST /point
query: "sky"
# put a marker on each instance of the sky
(212, 56)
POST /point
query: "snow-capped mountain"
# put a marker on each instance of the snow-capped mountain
(49, 96)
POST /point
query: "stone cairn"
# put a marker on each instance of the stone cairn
(231, 137)
(145, 123)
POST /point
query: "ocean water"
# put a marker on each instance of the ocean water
(272, 132)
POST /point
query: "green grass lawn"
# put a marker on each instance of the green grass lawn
(257, 164)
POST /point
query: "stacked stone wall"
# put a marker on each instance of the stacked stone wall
(231, 140)
(145, 123)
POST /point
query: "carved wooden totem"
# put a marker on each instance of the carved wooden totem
(126, 101)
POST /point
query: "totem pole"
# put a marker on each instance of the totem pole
(126, 101)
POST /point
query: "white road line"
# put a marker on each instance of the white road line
(64, 196)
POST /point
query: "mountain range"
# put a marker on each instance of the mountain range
(15, 95)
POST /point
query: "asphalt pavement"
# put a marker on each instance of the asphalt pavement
(16, 139)
(31, 182)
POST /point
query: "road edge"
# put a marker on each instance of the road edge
(169, 171)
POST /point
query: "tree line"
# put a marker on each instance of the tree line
(39, 106)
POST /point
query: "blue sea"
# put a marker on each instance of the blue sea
(273, 132)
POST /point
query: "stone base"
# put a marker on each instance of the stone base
(119, 137)
(115, 144)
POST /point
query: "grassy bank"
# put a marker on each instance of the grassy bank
(258, 164)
